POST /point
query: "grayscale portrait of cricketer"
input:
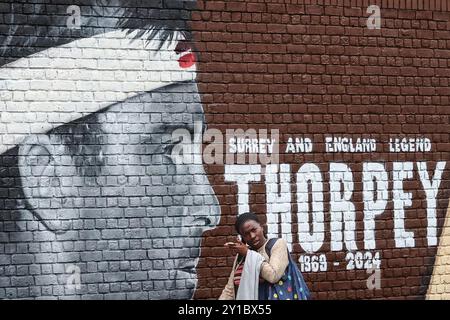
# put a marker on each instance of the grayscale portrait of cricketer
(92, 203)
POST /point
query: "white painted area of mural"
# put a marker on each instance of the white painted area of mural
(84, 76)
(310, 202)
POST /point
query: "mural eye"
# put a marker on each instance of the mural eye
(168, 151)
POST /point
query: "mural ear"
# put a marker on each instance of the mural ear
(38, 162)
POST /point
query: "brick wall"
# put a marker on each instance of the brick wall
(314, 69)
(96, 204)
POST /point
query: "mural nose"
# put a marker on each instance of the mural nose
(208, 217)
(214, 210)
(204, 222)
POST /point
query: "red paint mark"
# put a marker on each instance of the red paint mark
(188, 58)
(187, 61)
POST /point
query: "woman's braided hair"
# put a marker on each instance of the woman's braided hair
(243, 218)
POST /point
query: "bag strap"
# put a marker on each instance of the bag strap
(270, 245)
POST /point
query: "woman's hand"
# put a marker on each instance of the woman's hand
(238, 247)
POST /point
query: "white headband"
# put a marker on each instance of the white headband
(61, 84)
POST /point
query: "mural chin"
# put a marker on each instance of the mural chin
(185, 284)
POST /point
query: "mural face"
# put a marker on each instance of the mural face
(124, 187)
(102, 208)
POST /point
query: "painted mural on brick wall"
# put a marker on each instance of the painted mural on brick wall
(114, 184)
(92, 204)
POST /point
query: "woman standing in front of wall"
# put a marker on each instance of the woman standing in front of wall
(266, 270)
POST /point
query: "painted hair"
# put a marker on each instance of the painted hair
(25, 33)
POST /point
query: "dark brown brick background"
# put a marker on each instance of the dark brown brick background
(310, 68)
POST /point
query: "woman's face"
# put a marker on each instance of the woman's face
(253, 234)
